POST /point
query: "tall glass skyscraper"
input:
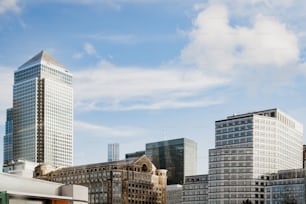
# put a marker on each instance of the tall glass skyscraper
(113, 152)
(178, 156)
(43, 112)
(248, 146)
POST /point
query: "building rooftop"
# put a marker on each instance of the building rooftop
(41, 57)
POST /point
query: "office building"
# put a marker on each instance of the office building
(174, 194)
(178, 156)
(18, 190)
(195, 189)
(134, 154)
(113, 152)
(119, 182)
(43, 112)
(286, 186)
(8, 138)
(248, 146)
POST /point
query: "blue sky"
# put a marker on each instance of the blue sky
(151, 70)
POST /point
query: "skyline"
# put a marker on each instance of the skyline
(146, 71)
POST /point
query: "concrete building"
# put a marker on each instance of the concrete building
(135, 154)
(113, 152)
(287, 186)
(178, 156)
(195, 189)
(174, 194)
(119, 182)
(247, 147)
(43, 112)
(18, 190)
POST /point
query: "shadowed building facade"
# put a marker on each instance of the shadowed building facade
(178, 156)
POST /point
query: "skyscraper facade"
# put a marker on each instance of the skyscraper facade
(43, 112)
(247, 147)
(8, 137)
(113, 152)
(178, 156)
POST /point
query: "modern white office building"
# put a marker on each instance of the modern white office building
(248, 146)
(43, 112)
(113, 152)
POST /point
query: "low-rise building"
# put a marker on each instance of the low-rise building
(286, 186)
(118, 182)
(174, 194)
(17, 190)
(195, 189)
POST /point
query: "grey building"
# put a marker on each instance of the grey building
(178, 156)
(174, 194)
(248, 146)
(195, 189)
(113, 152)
(17, 190)
(43, 112)
(286, 186)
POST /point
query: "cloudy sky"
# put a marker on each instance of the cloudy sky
(151, 70)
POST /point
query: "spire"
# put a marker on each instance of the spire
(42, 56)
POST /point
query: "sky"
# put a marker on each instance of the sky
(152, 70)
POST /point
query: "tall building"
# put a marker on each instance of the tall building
(43, 112)
(195, 189)
(178, 156)
(120, 182)
(8, 138)
(113, 152)
(247, 147)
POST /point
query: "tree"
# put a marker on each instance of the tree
(288, 200)
(247, 201)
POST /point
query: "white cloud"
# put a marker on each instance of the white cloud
(219, 48)
(130, 88)
(107, 131)
(78, 55)
(8, 5)
(89, 49)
